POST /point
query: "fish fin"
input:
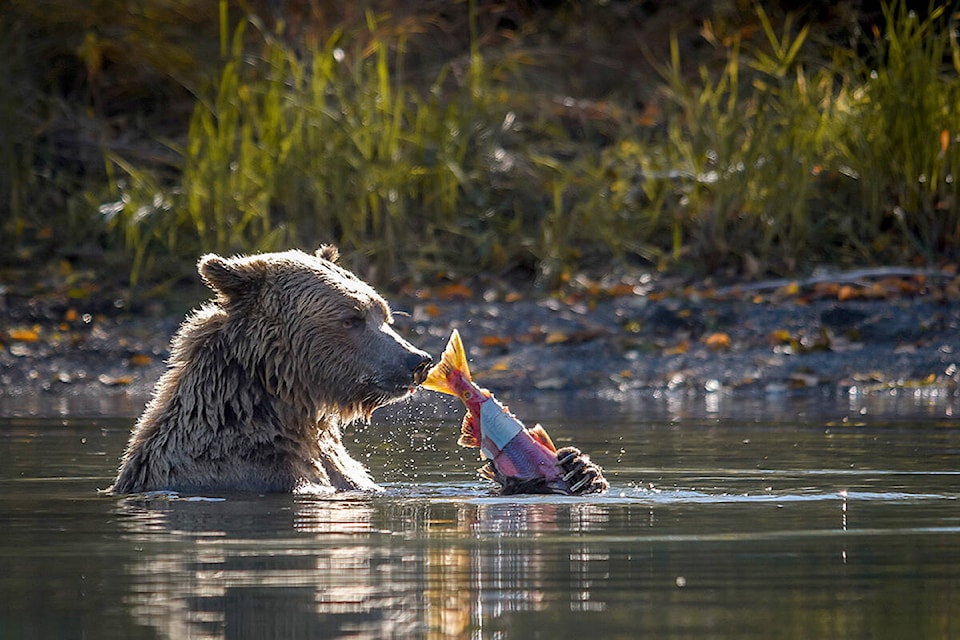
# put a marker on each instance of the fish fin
(454, 358)
(538, 433)
(489, 472)
(468, 436)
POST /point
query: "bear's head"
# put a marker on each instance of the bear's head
(317, 336)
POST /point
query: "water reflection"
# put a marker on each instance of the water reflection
(843, 526)
(362, 568)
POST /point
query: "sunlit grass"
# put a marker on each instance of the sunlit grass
(788, 154)
(334, 146)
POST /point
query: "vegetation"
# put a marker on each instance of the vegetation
(249, 132)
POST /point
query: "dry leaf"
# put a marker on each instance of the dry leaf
(455, 291)
(621, 289)
(494, 341)
(826, 289)
(779, 336)
(846, 292)
(790, 289)
(24, 335)
(717, 341)
(500, 365)
(140, 360)
(877, 291)
(678, 350)
(556, 337)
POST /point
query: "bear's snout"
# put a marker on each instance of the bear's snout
(419, 363)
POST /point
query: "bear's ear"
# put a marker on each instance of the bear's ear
(328, 252)
(232, 277)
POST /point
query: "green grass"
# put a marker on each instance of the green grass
(780, 162)
(334, 146)
(788, 154)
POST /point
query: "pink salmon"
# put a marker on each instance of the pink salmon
(526, 456)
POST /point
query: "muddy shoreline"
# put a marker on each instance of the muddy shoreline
(772, 342)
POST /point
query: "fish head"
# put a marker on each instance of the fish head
(458, 383)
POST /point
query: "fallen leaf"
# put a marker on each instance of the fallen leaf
(24, 335)
(826, 289)
(500, 365)
(875, 292)
(455, 291)
(556, 337)
(78, 293)
(846, 292)
(779, 336)
(678, 350)
(620, 289)
(494, 341)
(140, 360)
(114, 381)
(717, 341)
(71, 315)
(790, 289)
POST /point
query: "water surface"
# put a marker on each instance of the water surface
(781, 519)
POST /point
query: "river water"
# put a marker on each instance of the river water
(823, 517)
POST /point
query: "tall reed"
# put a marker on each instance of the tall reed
(782, 159)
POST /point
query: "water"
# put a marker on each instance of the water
(774, 519)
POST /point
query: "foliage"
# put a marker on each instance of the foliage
(901, 135)
(769, 165)
(333, 145)
(789, 153)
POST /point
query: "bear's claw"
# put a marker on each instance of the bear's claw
(586, 477)
(581, 475)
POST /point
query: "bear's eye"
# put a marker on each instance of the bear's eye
(353, 322)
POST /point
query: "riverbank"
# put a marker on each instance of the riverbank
(869, 331)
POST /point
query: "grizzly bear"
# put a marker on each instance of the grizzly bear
(261, 381)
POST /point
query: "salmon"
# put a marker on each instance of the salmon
(522, 459)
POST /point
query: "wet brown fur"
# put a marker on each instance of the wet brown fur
(261, 381)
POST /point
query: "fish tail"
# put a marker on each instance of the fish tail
(454, 358)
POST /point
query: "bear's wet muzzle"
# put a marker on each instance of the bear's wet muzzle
(419, 363)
